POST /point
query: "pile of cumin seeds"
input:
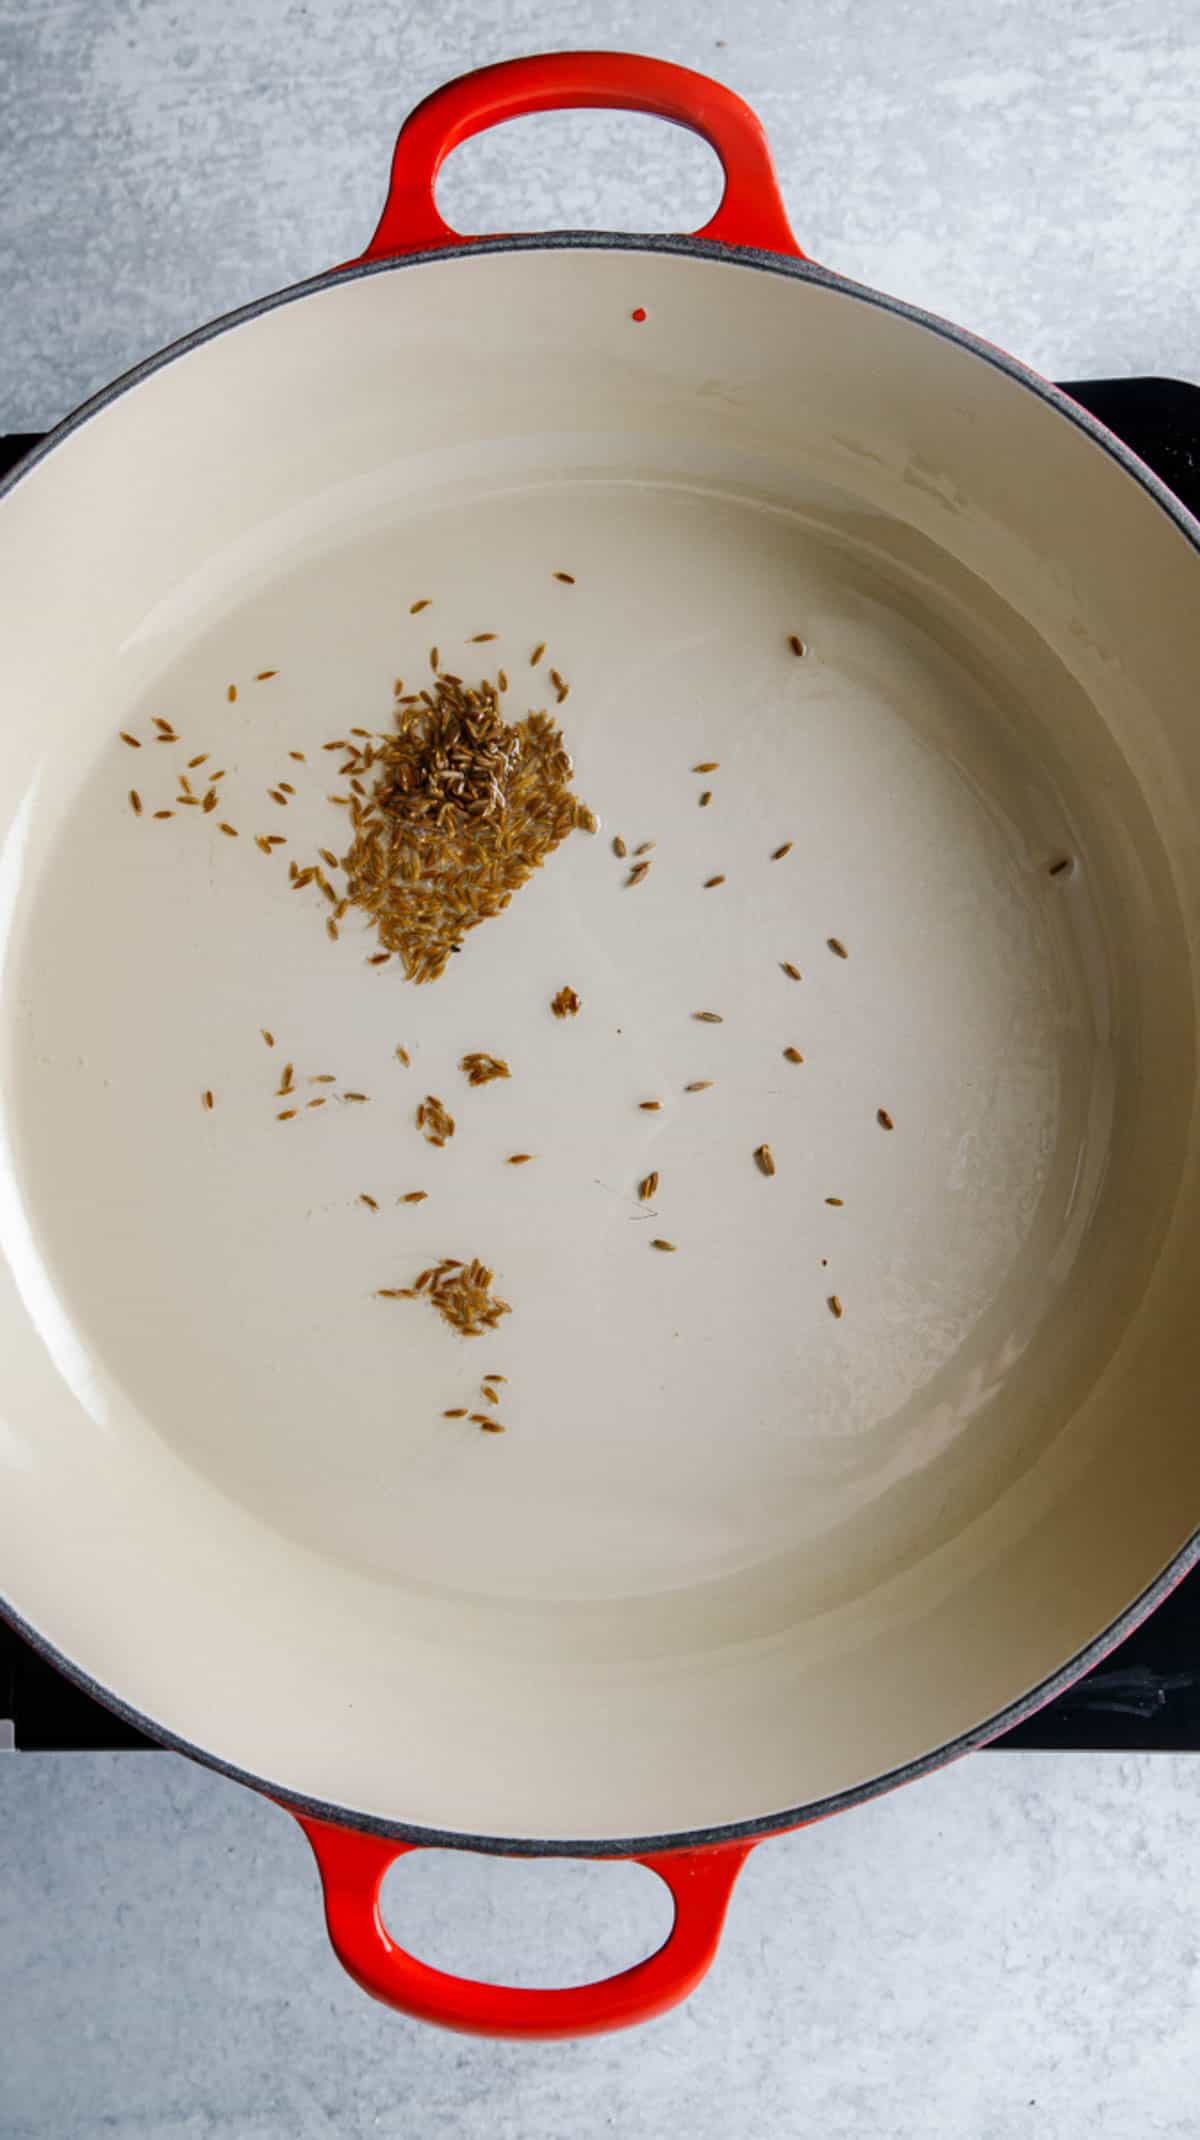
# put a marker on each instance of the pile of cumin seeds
(461, 1293)
(451, 814)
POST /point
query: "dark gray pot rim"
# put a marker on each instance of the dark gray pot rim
(1180, 1564)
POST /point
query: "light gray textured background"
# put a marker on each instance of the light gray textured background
(1010, 1949)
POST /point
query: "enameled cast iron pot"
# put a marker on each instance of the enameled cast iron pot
(702, 1590)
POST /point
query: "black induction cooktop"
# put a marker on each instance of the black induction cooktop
(1146, 1696)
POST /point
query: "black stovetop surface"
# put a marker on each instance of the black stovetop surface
(1146, 1695)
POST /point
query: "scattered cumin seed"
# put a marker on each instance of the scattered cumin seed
(379, 958)
(556, 679)
(619, 848)
(699, 1084)
(568, 577)
(884, 1119)
(1057, 869)
(261, 841)
(481, 1069)
(395, 1292)
(518, 1159)
(537, 653)
(435, 1120)
(488, 1426)
(414, 608)
(566, 1004)
(354, 1096)
(135, 802)
(164, 727)
(706, 798)
(402, 1056)
(414, 1196)
(837, 947)
(210, 801)
(164, 813)
(708, 1017)
(477, 638)
(458, 1411)
(287, 1078)
(434, 661)
(796, 643)
(780, 852)
(323, 1077)
(127, 738)
(636, 874)
(792, 972)
(201, 758)
(268, 1037)
(649, 1107)
(231, 693)
(668, 1247)
(647, 1187)
(764, 1159)
(502, 679)
(792, 1055)
(327, 857)
(707, 765)
(369, 1201)
(835, 1307)
(331, 928)
(288, 1115)
(276, 839)
(286, 787)
(208, 1100)
(315, 1103)
(230, 831)
(263, 675)
(836, 1201)
(495, 1378)
(276, 797)
(709, 883)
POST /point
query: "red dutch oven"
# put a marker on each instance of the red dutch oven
(901, 1439)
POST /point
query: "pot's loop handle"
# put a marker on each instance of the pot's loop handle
(352, 1866)
(751, 212)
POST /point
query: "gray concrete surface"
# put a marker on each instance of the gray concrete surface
(1010, 1949)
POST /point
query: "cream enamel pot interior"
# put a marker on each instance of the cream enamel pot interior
(735, 1562)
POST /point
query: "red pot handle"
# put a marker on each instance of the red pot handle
(751, 210)
(352, 1866)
